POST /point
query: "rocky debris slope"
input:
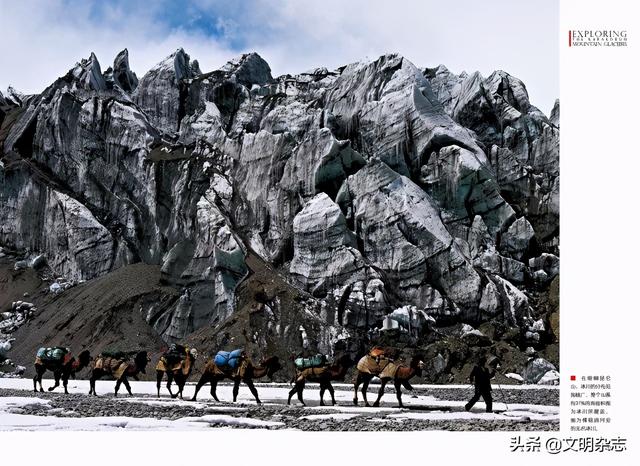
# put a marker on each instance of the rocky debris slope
(120, 310)
(366, 189)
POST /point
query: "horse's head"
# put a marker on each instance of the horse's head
(84, 358)
(141, 360)
(272, 364)
(193, 354)
(417, 364)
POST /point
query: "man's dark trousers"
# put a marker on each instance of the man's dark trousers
(486, 396)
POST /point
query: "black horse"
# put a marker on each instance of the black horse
(62, 369)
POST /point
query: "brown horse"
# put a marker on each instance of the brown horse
(118, 368)
(401, 374)
(245, 373)
(62, 369)
(179, 371)
(323, 376)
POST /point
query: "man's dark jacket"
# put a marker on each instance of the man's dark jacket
(481, 377)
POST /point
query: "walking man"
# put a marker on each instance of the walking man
(481, 378)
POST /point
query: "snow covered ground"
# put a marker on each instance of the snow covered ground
(143, 411)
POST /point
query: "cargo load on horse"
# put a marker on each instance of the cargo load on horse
(56, 353)
(379, 352)
(117, 354)
(177, 357)
(175, 354)
(177, 362)
(319, 360)
(229, 359)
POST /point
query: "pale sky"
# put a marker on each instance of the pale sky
(42, 39)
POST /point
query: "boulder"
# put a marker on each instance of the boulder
(474, 337)
(536, 368)
(514, 376)
(38, 262)
(551, 377)
(515, 242)
(5, 347)
(547, 265)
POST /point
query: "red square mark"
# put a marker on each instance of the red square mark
(573, 377)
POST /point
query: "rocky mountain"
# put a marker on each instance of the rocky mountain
(378, 201)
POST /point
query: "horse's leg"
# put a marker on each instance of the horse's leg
(292, 392)
(56, 377)
(301, 386)
(356, 384)
(181, 380)
(126, 385)
(159, 375)
(65, 381)
(398, 384)
(323, 388)
(407, 385)
(204, 378)
(330, 388)
(40, 370)
(169, 382)
(35, 380)
(254, 392)
(383, 382)
(236, 388)
(214, 386)
(92, 383)
(118, 382)
(365, 385)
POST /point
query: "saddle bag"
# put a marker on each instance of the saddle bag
(318, 360)
(56, 353)
(230, 359)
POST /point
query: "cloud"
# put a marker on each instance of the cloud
(43, 39)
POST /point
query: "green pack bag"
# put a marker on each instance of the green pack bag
(116, 354)
(56, 353)
(315, 361)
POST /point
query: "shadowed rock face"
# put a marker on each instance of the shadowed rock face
(368, 188)
(521, 143)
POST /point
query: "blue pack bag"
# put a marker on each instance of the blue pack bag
(228, 358)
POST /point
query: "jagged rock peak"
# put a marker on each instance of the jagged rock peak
(249, 69)
(179, 64)
(554, 117)
(88, 74)
(195, 67)
(122, 74)
(13, 97)
(430, 73)
(510, 88)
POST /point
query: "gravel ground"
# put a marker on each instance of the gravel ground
(76, 405)
(500, 395)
